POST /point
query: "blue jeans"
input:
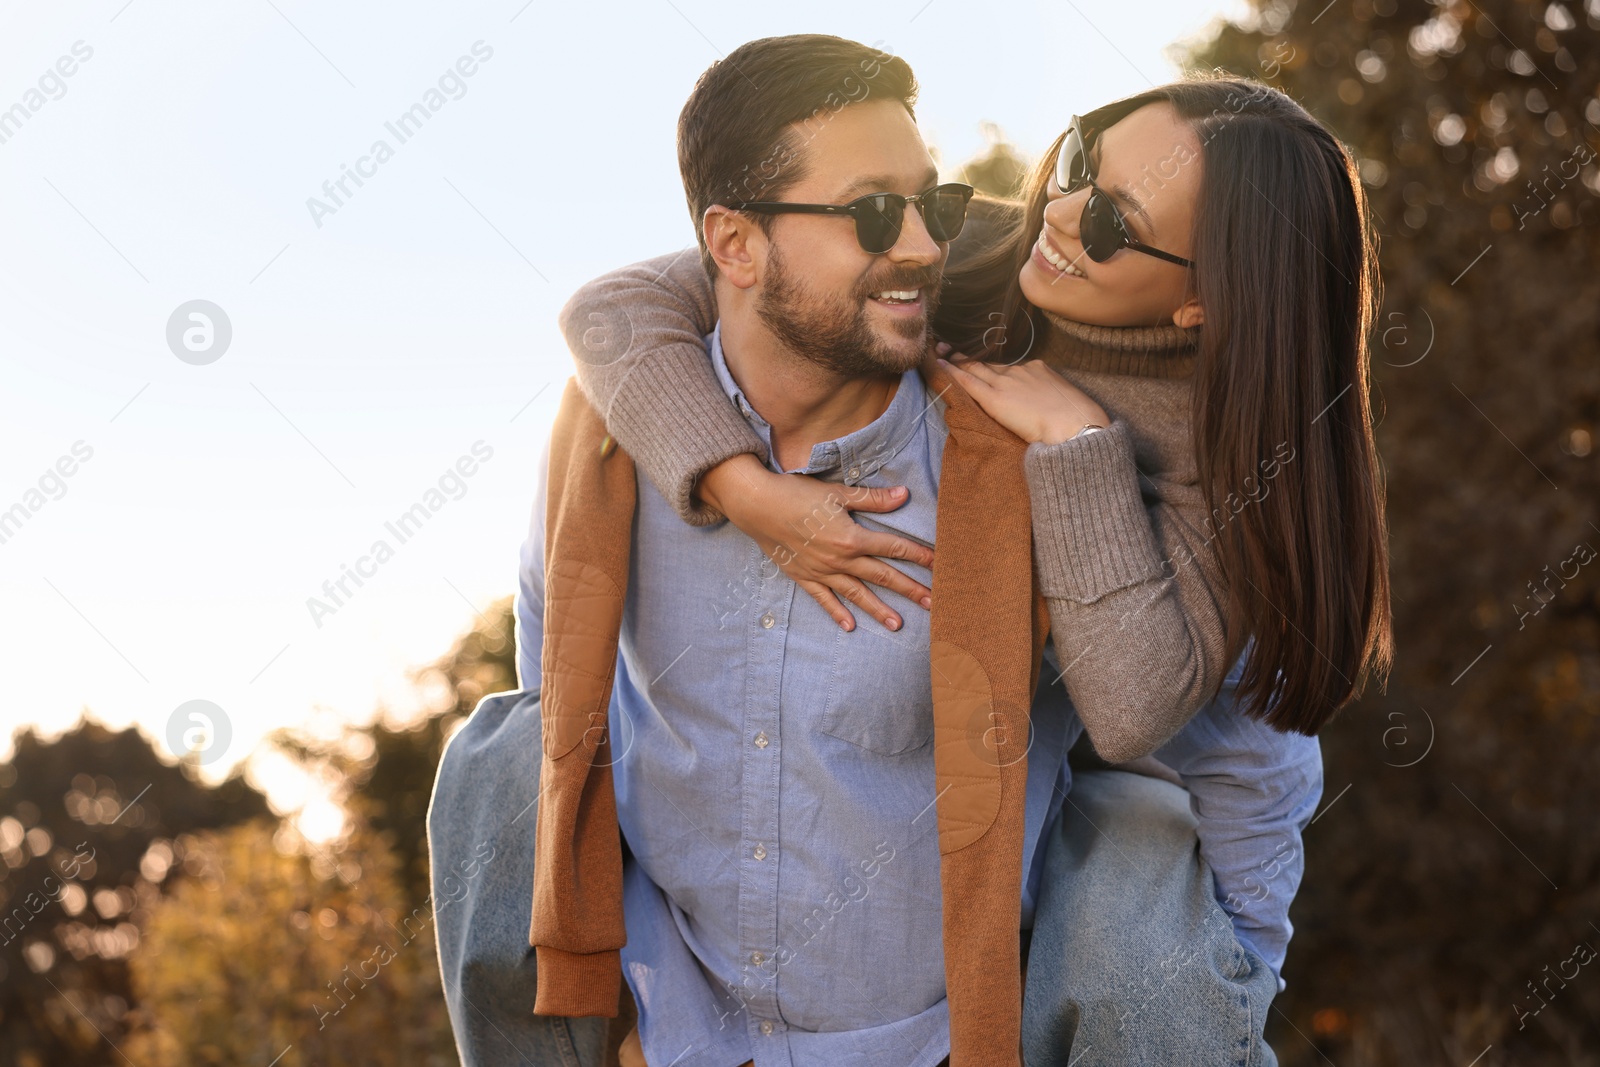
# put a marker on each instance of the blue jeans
(1131, 960)
(484, 804)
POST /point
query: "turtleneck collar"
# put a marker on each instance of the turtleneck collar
(1166, 351)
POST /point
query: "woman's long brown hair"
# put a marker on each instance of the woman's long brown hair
(1287, 276)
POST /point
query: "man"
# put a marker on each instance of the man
(747, 741)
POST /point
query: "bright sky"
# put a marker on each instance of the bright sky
(370, 353)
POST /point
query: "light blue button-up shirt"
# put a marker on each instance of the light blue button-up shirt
(775, 783)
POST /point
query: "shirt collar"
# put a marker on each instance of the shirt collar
(857, 455)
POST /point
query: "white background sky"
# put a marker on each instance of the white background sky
(374, 351)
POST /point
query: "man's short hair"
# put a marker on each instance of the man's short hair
(743, 131)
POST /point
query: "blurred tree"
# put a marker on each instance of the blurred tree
(999, 169)
(96, 827)
(92, 828)
(1463, 868)
(276, 952)
(400, 782)
(388, 767)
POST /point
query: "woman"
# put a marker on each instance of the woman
(1175, 317)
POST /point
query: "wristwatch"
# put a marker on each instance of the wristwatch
(1088, 429)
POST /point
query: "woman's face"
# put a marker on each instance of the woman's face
(1149, 164)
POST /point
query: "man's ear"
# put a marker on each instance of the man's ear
(734, 241)
(1190, 313)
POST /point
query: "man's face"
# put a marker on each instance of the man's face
(818, 291)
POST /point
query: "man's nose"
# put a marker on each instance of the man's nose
(916, 244)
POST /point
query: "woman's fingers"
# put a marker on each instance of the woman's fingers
(842, 585)
(887, 498)
(829, 603)
(880, 574)
(858, 594)
(893, 546)
(981, 388)
(835, 561)
(973, 373)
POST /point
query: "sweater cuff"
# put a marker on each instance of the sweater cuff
(574, 984)
(672, 454)
(1091, 533)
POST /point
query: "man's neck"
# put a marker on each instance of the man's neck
(803, 403)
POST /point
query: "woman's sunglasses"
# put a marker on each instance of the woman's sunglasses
(878, 215)
(1101, 227)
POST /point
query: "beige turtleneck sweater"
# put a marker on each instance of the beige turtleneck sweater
(1120, 529)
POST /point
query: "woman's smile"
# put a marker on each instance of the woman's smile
(1053, 259)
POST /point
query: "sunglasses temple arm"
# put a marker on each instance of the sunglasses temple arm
(1168, 256)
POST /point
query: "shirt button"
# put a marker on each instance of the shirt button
(761, 739)
(767, 620)
(757, 958)
(853, 473)
(766, 1026)
(760, 852)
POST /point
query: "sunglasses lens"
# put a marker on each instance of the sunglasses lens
(1099, 228)
(878, 222)
(1072, 163)
(945, 212)
(879, 216)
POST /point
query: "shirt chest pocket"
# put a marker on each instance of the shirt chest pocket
(880, 696)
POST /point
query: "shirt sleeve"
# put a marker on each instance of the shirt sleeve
(1253, 790)
(528, 604)
(637, 336)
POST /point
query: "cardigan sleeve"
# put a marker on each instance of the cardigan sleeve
(1134, 592)
(637, 335)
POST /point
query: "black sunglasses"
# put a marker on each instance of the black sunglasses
(1101, 227)
(878, 215)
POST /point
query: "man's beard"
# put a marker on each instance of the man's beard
(837, 334)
